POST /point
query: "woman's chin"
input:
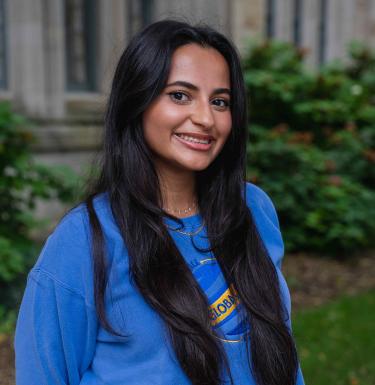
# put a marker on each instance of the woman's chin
(185, 165)
(197, 166)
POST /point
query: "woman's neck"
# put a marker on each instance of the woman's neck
(178, 192)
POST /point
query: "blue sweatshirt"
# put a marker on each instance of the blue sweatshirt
(59, 340)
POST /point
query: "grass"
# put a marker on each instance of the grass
(336, 342)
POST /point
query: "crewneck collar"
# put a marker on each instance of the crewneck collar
(188, 222)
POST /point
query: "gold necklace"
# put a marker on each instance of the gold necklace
(195, 232)
(183, 211)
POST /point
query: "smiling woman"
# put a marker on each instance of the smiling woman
(169, 271)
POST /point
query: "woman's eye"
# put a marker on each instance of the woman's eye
(178, 96)
(222, 103)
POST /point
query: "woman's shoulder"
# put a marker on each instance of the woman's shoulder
(66, 253)
(257, 199)
(264, 213)
(74, 225)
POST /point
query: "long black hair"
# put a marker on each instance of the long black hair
(128, 175)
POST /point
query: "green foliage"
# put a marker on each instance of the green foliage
(22, 183)
(281, 90)
(311, 145)
(320, 207)
(335, 341)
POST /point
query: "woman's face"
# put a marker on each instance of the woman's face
(187, 125)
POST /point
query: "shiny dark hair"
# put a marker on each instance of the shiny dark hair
(127, 174)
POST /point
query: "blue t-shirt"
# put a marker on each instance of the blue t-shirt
(58, 337)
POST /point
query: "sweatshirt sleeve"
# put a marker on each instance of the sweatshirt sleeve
(56, 327)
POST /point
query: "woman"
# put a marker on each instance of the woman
(169, 272)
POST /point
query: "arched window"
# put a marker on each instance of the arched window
(80, 44)
(140, 13)
(3, 48)
(270, 19)
(322, 31)
(297, 22)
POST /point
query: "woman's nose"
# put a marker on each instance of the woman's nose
(202, 114)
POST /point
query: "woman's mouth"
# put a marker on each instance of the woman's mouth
(201, 143)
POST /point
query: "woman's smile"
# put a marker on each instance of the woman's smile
(195, 141)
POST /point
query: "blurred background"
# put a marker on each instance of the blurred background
(309, 67)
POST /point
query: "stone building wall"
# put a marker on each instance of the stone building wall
(68, 123)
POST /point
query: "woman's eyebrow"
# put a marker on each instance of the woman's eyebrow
(195, 88)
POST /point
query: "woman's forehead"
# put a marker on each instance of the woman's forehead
(194, 63)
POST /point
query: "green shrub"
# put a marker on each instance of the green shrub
(311, 145)
(319, 209)
(281, 90)
(22, 183)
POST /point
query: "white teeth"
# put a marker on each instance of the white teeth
(194, 140)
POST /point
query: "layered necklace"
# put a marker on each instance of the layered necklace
(190, 233)
(185, 211)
